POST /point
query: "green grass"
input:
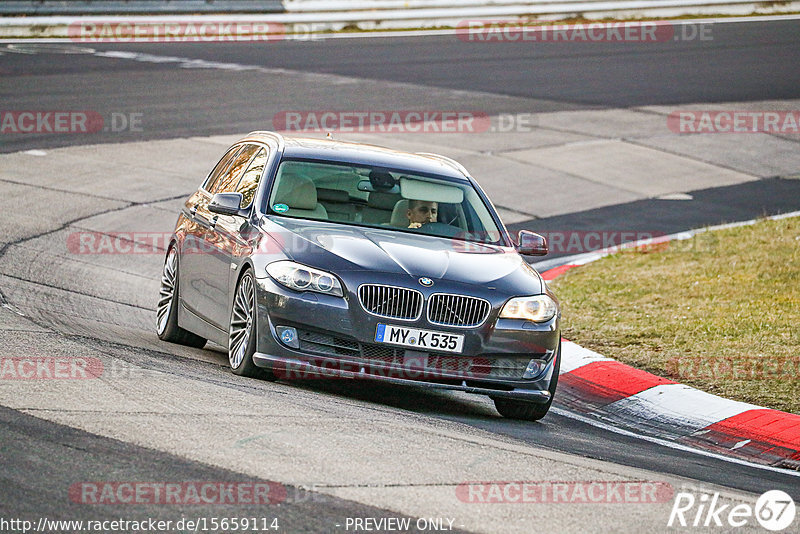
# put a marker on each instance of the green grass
(720, 312)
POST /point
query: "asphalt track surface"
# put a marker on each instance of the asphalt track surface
(743, 62)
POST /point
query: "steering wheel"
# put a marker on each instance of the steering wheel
(440, 229)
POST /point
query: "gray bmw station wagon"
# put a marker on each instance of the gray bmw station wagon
(321, 258)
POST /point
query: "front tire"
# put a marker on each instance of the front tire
(242, 333)
(529, 411)
(167, 309)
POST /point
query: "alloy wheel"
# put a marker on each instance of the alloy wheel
(241, 321)
(167, 293)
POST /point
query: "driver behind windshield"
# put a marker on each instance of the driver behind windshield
(421, 212)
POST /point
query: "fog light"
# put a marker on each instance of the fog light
(534, 369)
(288, 336)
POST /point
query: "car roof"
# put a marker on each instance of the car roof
(361, 153)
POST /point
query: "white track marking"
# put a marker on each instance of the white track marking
(669, 444)
(677, 406)
(573, 356)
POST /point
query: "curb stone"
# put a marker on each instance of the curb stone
(606, 389)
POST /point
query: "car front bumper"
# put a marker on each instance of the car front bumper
(305, 369)
(333, 318)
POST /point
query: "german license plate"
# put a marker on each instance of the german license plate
(419, 339)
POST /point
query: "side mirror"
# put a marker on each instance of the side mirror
(531, 244)
(227, 204)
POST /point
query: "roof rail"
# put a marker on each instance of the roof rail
(264, 133)
(444, 159)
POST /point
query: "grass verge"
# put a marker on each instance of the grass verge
(720, 312)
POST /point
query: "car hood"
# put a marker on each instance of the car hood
(340, 247)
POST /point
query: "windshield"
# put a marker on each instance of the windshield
(384, 198)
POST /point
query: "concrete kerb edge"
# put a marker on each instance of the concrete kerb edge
(619, 394)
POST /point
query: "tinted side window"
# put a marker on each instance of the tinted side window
(249, 182)
(229, 179)
(213, 178)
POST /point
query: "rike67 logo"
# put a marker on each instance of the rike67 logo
(774, 510)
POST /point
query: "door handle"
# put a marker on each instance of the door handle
(213, 222)
(193, 210)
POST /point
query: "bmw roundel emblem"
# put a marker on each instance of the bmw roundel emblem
(425, 281)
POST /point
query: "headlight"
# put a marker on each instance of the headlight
(302, 278)
(538, 308)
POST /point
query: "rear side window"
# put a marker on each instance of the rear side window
(213, 178)
(230, 178)
(249, 181)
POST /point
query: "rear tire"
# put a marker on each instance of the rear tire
(167, 309)
(243, 331)
(529, 411)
